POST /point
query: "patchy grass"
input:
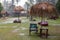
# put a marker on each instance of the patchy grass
(15, 31)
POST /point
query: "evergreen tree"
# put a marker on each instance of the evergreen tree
(58, 5)
(1, 8)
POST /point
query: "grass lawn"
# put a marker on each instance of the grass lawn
(20, 31)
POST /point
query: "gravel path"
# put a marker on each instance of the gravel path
(10, 20)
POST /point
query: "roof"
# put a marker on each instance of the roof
(42, 8)
(18, 8)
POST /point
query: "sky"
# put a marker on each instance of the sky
(1, 0)
(21, 2)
